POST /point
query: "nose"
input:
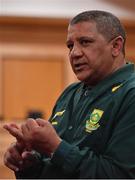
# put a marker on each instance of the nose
(76, 52)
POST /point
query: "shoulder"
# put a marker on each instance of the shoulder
(127, 90)
(130, 82)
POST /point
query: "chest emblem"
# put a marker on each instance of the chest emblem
(92, 123)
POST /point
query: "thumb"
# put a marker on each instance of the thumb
(29, 155)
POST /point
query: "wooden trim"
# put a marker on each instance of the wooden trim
(128, 23)
(14, 20)
(1, 86)
(28, 50)
(26, 21)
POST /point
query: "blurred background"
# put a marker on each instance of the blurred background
(34, 65)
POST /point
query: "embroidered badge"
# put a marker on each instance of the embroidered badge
(116, 87)
(60, 113)
(92, 124)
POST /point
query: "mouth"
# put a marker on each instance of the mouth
(80, 66)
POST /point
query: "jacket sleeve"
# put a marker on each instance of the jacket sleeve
(118, 159)
(29, 173)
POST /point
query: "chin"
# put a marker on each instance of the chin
(82, 78)
(86, 80)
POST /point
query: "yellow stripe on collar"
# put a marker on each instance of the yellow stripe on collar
(60, 113)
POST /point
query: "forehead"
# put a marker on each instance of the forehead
(82, 28)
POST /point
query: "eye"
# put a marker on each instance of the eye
(70, 46)
(86, 42)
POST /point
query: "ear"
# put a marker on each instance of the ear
(117, 45)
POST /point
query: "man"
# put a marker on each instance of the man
(91, 133)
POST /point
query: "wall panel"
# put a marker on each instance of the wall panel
(1, 87)
(31, 84)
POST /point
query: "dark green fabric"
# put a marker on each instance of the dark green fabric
(109, 150)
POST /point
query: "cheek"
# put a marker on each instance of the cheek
(71, 62)
(70, 59)
(95, 63)
(92, 60)
(96, 57)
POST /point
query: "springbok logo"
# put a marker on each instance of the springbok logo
(92, 123)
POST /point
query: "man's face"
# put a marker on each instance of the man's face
(89, 52)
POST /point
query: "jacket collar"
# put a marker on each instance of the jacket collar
(118, 77)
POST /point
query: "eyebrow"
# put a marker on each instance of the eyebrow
(81, 38)
(86, 37)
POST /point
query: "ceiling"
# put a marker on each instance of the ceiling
(65, 8)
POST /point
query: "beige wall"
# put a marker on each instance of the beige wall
(0, 84)
(34, 66)
(130, 44)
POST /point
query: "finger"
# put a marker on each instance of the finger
(13, 167)
(15, 153)
(27, 135)
(11, 125)
(41, 122)
(31, 124)
(14, 131)
(25, 129)
(14, 125)
(12, 164)
(20, 145)
(28, 155)
(12, 158)
(29, 158)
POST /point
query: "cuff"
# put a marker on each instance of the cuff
(61, 153)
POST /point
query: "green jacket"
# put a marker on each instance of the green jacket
(97, 126)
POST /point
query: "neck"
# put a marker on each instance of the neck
(118, 63)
